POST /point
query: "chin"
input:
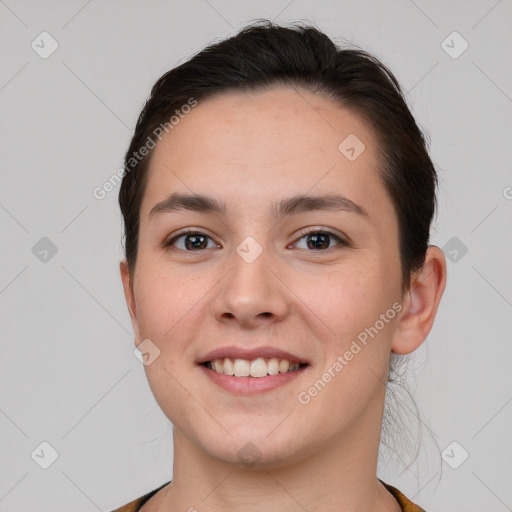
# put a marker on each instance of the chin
(252, 448)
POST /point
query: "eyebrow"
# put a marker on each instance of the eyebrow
(289, 206)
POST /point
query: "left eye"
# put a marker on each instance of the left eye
(320, 240)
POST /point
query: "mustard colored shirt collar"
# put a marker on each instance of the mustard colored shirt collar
(403, 501)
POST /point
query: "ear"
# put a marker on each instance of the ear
(420, 303)
(130, 298)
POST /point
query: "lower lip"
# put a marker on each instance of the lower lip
(251, 385)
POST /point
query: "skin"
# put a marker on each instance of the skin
(251, 150)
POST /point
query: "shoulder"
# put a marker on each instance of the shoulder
(136, 505)
(405, 504)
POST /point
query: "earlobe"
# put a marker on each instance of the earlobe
(422, 301)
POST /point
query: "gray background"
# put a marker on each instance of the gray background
(68, 373)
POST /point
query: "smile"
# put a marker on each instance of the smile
(258, 368)
(253, 375)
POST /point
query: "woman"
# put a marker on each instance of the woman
(277, 203)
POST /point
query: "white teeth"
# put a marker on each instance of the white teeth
(218, 366)
(284, 366)
(259, 367)
(273, 366)
(242, 368)
(229, 368)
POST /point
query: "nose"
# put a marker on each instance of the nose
(251, 294)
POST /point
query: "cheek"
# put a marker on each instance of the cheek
(347, 300)
(169, 311)
(167, 299)
(356, 348)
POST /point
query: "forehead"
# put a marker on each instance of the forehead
(259, 147)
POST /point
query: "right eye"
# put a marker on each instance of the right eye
(191, 241)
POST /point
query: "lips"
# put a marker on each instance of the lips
(233, 352)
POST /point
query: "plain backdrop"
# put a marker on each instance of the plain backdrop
(69, 378)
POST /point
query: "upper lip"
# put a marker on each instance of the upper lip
(241, 353)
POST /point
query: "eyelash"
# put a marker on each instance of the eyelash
(302, 234)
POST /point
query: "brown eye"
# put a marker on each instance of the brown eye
(321, 240)
(192, 241)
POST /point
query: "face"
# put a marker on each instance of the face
(265, 275)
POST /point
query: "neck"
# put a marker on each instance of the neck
(341, 476)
